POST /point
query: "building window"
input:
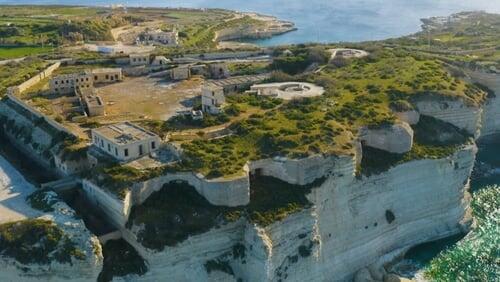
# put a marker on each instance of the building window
(102, 144)
(140, 150)
(116, 76)
(116, 152)
(125, 152)
(109, 148)
(153, 145)
(55, 82)
(107, 76)
(87, 79)
(95, 77)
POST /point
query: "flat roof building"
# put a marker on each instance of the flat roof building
(106, 75)
(125, 141)
(140, 59)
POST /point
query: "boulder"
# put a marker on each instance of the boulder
(411, 117)
(396, 138)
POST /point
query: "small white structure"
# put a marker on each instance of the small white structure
(67, 83)
(196, 115)
(160, 60)
(288, 90)
(125, 141)
(212, 98)
(141, 59)
(106, 75)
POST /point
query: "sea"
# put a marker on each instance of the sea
(320, 20)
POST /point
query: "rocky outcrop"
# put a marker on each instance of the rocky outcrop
(394, 138)
(490, 123)
(454, 111)
(85, 267)
(410, 117)
(352, 223)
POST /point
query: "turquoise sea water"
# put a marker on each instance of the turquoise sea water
(321, 20)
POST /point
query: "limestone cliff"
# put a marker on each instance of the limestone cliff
(76, 257)
(353, 222)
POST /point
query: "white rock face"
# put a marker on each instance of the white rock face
(352, 223)
(490, 124)
(410, 117)
(396, 138)
(455, 112)
(87, 269)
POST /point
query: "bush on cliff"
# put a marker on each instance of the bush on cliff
(37, 241)
(120, 259)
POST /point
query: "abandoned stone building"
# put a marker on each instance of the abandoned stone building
(218, 70)
(106, 75)
(169, 38)
(180, 73)
(125, 141)
(212, 98)
(67, 83)
(92, 102)
(140, 59)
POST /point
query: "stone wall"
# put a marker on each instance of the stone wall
(35, 79)
(33, 133)
(115, 210)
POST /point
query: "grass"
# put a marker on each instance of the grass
(37, 241)
(43, 200)
(184, 212)
(120, 259)
(13, 74)
(18, 52)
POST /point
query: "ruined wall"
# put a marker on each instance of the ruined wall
(33, 133)
(35, 79)
(116, 210)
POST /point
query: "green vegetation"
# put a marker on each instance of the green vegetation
(120, 259)
(43, 200)
(55, 25)
(301, 58)
(248, 68)
(13, 74)
(9, 52)
(202, 35)
(37, 241)
(475, 258)
(184, 212)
